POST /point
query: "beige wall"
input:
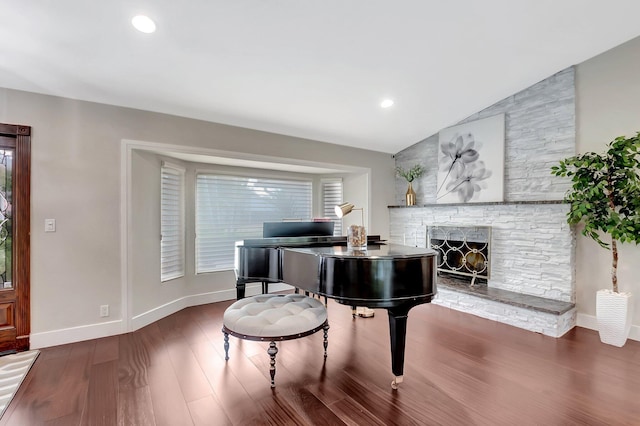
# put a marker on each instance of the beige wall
(76, 179)
(608, 105)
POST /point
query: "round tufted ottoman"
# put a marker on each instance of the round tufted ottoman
(273, 317)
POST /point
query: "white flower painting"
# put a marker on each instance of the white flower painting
(471, 162)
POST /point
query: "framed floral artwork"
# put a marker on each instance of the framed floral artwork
(471, 162)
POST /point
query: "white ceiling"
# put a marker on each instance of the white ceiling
(312, 69)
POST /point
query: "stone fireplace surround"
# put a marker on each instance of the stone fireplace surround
(531, 285)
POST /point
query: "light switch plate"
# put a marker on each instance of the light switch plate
(49, 225)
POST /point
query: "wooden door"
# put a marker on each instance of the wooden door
(15, 188)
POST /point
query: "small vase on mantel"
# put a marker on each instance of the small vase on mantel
(409, 175)
(411, 196)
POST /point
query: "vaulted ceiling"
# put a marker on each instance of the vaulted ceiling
(316, 70)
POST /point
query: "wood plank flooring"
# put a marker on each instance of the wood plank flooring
(459, 370)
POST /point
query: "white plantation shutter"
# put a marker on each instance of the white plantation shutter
(233, 208)
(172, 229)
(331, 197)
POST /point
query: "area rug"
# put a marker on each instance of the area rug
(13, 370)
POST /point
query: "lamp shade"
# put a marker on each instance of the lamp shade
(343, 209)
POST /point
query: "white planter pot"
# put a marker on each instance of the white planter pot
(613, 312)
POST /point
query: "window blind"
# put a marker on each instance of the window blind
(172, 228)
(233, 208)
(331, 197)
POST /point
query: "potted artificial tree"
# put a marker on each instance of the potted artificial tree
(409, 175)
(605, 197)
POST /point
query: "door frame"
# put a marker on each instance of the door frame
(22, 230)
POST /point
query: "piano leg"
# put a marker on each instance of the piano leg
(397, 332)
(240, 290)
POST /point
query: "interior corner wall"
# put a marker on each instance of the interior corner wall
(608, 105)
(76, 179)
(147, 292)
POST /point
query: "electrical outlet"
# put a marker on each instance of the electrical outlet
(104, 310)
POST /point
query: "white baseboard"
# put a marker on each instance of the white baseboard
(104, 329)
(74, 334)
(155, 314)
(112, 328)
(590, 322)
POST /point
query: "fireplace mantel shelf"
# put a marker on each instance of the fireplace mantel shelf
(492, 203)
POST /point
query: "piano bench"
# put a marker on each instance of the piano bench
(273, 317)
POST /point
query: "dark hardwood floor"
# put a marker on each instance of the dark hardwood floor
(459, 370)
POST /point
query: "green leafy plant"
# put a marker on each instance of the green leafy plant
(410, 174)
(605, 195)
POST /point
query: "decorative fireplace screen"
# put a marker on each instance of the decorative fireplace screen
(463, 251)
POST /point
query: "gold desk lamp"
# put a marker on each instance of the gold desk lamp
(356, 235)
(356, 242)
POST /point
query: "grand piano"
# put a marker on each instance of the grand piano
(392, 277)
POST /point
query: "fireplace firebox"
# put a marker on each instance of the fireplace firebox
(463, 251)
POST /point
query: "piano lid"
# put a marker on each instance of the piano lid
(387, 276)
(391, 251)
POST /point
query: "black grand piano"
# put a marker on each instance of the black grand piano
(392, 277)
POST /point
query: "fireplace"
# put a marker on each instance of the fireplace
(463, 251)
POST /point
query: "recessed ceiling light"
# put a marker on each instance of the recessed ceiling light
(143, 24)
(386, 103)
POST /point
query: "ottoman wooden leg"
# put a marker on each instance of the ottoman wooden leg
(326, 339)
(226, 346)
(272, 351)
